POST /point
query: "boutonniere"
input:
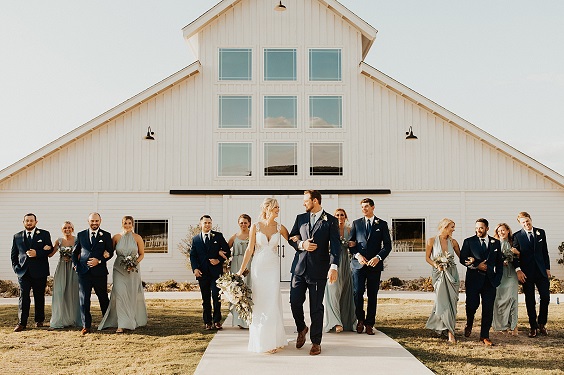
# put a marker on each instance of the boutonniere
(37, 231)
(101, 233)
(377, 221)
(537, 233)
(324, 217)
(492, 241)
(212, 235)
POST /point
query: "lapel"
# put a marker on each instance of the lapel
(317, 224)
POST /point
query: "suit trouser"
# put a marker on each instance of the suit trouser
(38, 284)
(316, 288)
(210, 291)
(543, 285)
(86, 282)
(369, 280)
(473, 293)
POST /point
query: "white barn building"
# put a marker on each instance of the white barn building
(278, 102)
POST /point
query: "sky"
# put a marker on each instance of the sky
(497, 64)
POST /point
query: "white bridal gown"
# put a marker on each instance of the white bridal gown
(266, 331)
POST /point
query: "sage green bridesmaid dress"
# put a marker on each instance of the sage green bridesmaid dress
(65, 306)
(506, 304)
(239, 247)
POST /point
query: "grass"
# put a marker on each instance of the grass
(173, 342)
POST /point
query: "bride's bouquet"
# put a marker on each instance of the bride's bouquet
(233, 287)
(444, 261)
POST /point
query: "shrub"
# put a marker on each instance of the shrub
(560, 259)
(9, 289)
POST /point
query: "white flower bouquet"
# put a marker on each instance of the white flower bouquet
(444, 261)
(129, 263)
(233, 287)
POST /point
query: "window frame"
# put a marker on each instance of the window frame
(265, 63)
(249, 67)
(342, 159)
(250, 160)
(398, 247)
(168, 228)
(296, 112)
(296, 159)
(339, 70)
(220, 112)
(309, 118)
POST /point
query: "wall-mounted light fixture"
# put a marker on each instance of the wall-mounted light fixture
(280, 7)
(149, 135)
(410, 134)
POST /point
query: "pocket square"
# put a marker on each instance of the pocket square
(540, 240)
(378, 230)
(39, 240)
(101, 241)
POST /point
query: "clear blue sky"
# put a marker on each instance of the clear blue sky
(497, 64)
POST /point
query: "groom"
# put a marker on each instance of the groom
(316, 260)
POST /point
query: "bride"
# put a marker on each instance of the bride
(266, 332)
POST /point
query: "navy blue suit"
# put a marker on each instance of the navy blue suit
(200, 256)
(534, 262)
(365, 277)
(32, 272)
(92, 277)
(479, 283)
(310, 268)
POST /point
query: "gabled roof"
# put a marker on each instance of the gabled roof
(460, 123)
(368, 32)
(99, 121)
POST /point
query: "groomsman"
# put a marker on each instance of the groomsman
(208, 253)
(533, 268)
(30, 253)
(370, 244)
(92, 249)
(481, 254)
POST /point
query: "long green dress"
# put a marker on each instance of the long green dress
(506, 303)
(339, 302)
(65, 304)
(239, 247)
(127, 302)
(446, 284)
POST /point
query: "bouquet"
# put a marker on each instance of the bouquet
(129, 263)
(444, 261)
(237, 293)
(65, 251)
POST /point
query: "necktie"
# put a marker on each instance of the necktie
(93, 238)
(29, 238)
(312, 220)
(484, 249)
(207, 240)
(368, 228)
(531, 238)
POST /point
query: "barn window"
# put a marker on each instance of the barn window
(280, 111)
(235, 64)
(234, 159)
(408, 235)
(279, 64)
(235, 111)
(154, 234)
(324, 64)
(325, 111)
(326, 159)
(280, 159)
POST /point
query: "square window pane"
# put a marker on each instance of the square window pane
(154, 234)
(324, 64)
(280, 159)
(326, 159)
(235, 64)
(279, 64)
(326, 111)
(235, 111)
(408, 235)
(234, 159)
(280, 111)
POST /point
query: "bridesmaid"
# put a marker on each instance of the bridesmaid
(445, 279)
(127, 309)
(506, 303)
(239, 242)
(339, 302)
(65, 303)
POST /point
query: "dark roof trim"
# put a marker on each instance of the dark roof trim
(279, 192)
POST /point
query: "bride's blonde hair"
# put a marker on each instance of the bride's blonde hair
(266, 208)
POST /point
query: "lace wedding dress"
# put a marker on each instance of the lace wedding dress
(266, 331)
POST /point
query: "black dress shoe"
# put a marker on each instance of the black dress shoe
(360, 326)
(467, 331)
(533, 332)
(300, 341)
(542, 330)
(19, 328)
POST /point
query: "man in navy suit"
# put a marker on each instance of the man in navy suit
(92, 249)
(533, 268)
(315, 236)
(370, 244)
(481, 254)
(30, 253)
(209, 252)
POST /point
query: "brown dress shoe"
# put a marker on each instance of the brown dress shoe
(85, 331)
(300, 341)
(533, 332)
(208, 327)
(486, 341)
(218, 326)
(315, 349)
(19, 328)
(39, 324)
(369, 330)
(360, 327)
(467, 331)
(542, 330)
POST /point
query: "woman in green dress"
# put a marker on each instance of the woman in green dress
(127, 309)
(440, 253)
(239, 242)
(65, 306)
(339, 302)
(506, 303)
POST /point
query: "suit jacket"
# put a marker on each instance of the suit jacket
(83, 250)
(494, 260)
(378, 242)
(533, 258)
(200, 254)
(37, 266)
(325, 234)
